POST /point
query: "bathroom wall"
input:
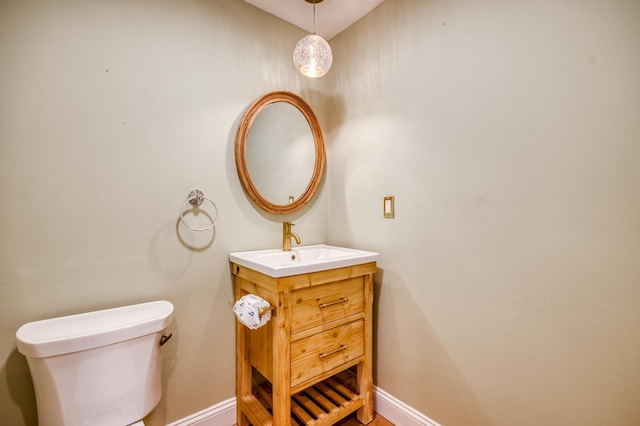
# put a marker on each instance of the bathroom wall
(509, 134)
(507, 131)
(110, 112)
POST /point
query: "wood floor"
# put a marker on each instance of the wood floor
(378, 420)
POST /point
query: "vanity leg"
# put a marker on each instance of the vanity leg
(243, 367)
(281, 366)
(242, 419)
(365, 368)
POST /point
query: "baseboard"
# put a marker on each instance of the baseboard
(221, 414)
(389, 407)
(397, 412)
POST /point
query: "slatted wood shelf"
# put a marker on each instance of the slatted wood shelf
(322, 404)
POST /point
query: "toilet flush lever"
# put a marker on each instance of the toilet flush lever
(164, 338)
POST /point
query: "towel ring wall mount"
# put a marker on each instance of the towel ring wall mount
(196, 198)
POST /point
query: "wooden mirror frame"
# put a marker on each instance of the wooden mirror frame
(241, 151)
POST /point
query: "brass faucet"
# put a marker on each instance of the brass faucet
(287, 235)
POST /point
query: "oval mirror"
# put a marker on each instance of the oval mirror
(280, 152)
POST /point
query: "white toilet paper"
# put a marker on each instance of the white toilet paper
(247, 310)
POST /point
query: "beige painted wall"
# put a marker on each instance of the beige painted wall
(509, 133)
(110, 112)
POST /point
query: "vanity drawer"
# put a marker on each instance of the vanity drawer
(324, 351)
(317, 305)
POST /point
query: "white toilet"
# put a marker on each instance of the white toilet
(97, 368)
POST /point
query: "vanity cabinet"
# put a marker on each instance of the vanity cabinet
(311, 363)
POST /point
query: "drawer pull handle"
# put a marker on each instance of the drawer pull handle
(335, 302)
(326, 354)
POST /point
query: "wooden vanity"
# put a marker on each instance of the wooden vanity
(311, 363)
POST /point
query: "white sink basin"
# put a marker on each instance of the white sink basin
(301, 260)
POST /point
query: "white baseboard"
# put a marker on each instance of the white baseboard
(389, 407)
(397, 412)
(221, 414)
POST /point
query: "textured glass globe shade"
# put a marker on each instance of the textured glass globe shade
(313, 56)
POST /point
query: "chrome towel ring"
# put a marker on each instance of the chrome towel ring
(196, 198)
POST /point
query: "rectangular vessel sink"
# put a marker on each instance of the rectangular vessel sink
(301, 260)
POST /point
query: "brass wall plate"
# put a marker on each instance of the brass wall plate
(388, 208)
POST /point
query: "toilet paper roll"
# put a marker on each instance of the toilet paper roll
(247, 309)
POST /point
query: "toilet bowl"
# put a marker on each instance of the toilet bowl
(99, 368)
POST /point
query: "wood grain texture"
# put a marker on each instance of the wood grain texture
(365, 371)
(316, 354)
(378, 420)
(241, 152)
(351, 420)
(315, 349)
(324, 303)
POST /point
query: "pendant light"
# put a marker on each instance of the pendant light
(312, 55)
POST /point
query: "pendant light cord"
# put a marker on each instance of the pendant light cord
(314, 16)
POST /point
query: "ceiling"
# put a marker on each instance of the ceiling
(332, 16)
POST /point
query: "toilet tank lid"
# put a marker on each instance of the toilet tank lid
(74, 333)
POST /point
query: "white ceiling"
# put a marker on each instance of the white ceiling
(332, 16)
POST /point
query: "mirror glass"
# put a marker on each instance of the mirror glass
(280, 152)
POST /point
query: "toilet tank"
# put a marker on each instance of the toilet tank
(97, 368)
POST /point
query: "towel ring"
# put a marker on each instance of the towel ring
(196, 198)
